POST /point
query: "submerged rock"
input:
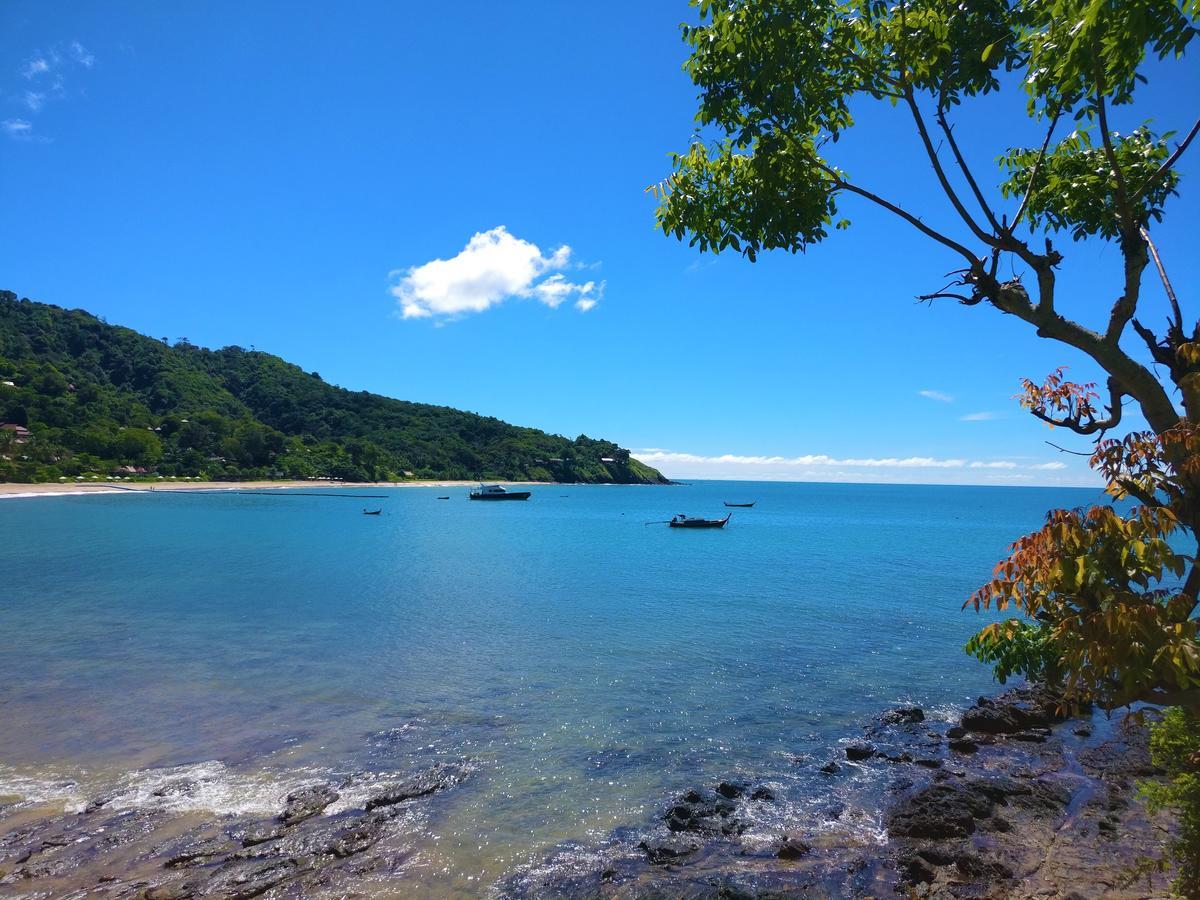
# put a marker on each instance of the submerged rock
(903, 715)
(860, 750)
(437, 778)
(307, 802)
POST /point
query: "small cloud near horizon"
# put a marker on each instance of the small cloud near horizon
(936, 395)
(494, 266)
(979, 417)
(822, 467)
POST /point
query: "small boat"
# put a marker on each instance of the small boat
(729, 505)
(682, 521)
(443, 498)
(372, 512)
(496, 492)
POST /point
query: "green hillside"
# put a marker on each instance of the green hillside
(96, 398)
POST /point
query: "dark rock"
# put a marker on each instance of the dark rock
(955, 731)
(973, 866)
(1029, 737)
(1084, 729)
(261, 834)
(665, 850)
(963, 745)
(174, 891)
(791, 847)
(307, 802)
(704, 813)
(355, 840)
(929, 763)
(937, 855)
(915, 870)
(941, 811)
(830, 768)
(859, 750)
(731, 790)
(763, 794)
(423, 784)
(197, 853)
(903, 715)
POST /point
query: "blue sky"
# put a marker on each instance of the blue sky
(283, 175)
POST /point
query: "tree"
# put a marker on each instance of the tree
(1108, 599)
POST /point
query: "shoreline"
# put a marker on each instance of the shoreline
(1013, 801)
(16, 490)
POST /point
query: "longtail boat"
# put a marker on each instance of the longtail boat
(682, 521)
(372, 512)
(729, 505)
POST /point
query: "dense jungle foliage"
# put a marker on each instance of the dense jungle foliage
(97, 399)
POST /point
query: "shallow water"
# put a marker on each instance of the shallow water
(588, 665)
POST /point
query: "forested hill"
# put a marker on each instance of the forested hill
(93, 398)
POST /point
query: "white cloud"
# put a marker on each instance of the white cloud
(936, 395)
(35, 100)
(494, 266)
(18, 129)
(80, 54)
(979, 417)
(822, 467)
(39, 65)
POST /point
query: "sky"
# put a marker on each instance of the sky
(447, 204)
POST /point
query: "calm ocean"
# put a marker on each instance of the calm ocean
(589, 666)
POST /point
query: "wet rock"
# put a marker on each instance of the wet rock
(1084, 729)
(763, 794)
(261, 834)
(307, 802)
(976, 867)
(435, 779)
(198, 853)
(361, 837)
(963, 745)
(916, 870)
(903, 715)
(699, 812)
(859, 750)
(731, 790)
(830, 768)
(177, 890)
(792, 847)
(956, 731)
(665, 850)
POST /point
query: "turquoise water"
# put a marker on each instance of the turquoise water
(587, 665)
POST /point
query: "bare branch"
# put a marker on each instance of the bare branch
(947, 187)
(840, 182)
(1169, 164)
(1162, 273)
(966, 171)
(1065, 450)
(1033, 173)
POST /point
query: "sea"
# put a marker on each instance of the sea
(585, 661)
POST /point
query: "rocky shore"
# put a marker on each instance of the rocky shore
(1011, 801)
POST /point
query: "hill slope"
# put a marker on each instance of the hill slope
(96, 397)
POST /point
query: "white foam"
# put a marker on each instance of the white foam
(35, 790)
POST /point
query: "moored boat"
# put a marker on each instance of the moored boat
(496, 492)
(682, 521)
(729, 505)
(372, 512)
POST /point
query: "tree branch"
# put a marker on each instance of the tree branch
(966, 171)
(1169, 164)
(947, 187)
(1091, 425)
(1162, 273)
(840, 182)
(1033, 173)
(1123, 205)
